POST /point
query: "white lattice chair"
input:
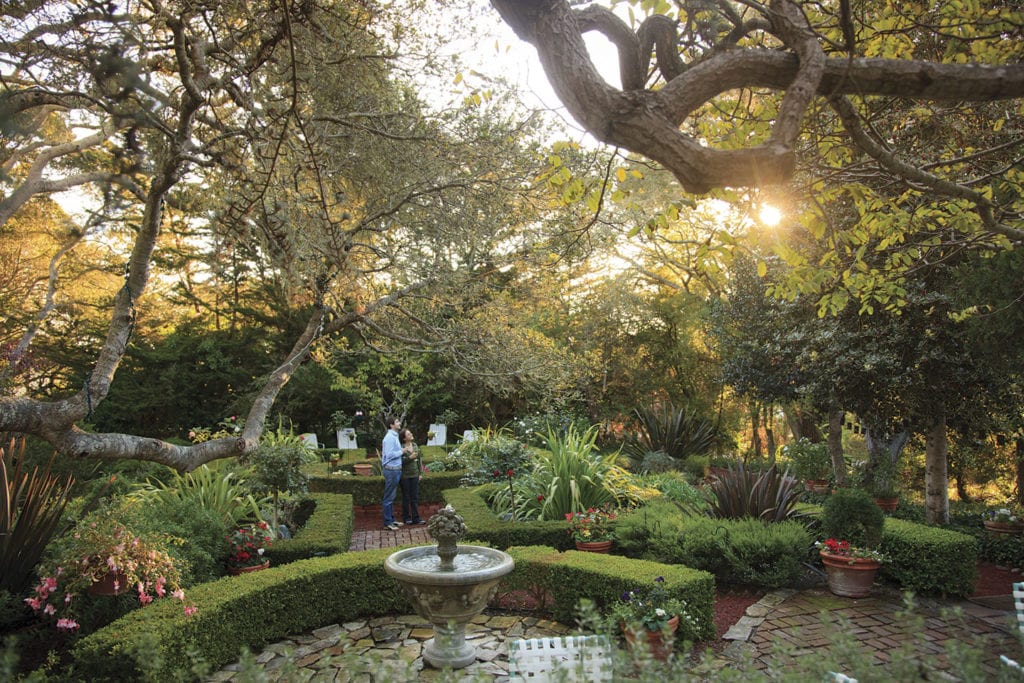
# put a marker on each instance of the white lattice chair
(1018, 603)
(571, 658)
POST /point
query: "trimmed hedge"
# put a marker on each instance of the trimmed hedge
(928, 559)
(483, 525)
(326, 532)
(369, 490)
(572, 575)
(250, 610)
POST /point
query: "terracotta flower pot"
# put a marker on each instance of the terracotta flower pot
(1004, 528)
(658, 645)
(594, 546)
(817, 485)
(112, 583)
(888, 504)
(235, 571)
(363, 469)
(850, 577)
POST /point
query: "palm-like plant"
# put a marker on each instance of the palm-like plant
(31, 507)
(769, 495)
(676, 432)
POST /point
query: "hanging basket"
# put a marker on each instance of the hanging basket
(112, 583)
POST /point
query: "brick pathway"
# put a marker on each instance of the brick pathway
(368, 532)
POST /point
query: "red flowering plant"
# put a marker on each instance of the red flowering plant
(842, 548)
(99, 549)
(247, 544)
(590, 526)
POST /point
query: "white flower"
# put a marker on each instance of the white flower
(260, 551)
(660, 612)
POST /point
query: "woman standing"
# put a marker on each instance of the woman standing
(410, 479)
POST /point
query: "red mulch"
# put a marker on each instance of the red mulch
(994, 580)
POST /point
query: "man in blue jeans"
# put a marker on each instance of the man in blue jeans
(391, 464)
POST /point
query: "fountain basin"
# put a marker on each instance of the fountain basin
(449, 598)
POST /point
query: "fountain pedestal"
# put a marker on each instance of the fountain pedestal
(449, 585)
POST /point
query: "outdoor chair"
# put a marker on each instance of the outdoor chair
(1018, 603)
(572, 658)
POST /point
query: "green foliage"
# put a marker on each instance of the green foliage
(570, 476)
(277, 466)
(490, 456)
(745, 551)
(810, 460)
(327, 531)
(678, 433)
(214, 487)
(31, 507)
(571, 576)
(928, 559)
(249, 610)
(851, 515)
(769, 495)
(532, 429)
(674, 487)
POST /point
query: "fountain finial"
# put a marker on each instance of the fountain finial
(446, 528)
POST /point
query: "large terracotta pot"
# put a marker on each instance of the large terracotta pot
(850, 577)
(1004, 528)
(113, 583)
(888, 504)
(658, 645)
(363, 469)
(594, 546)
(235, 571)
(817, 485)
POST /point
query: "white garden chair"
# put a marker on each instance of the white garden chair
(578, 659)
(1018, 603)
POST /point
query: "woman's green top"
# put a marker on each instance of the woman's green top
(411, 464)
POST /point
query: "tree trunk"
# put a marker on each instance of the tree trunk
(755, 432)
(835, 444)
(1018, 452)
(936, 479)
(769, 431)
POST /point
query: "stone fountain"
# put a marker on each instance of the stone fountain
(449, 584)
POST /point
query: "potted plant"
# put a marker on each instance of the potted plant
(852, 523)
(850, 569)
(811, 463)
(246, 546)
(649, 618)
(591, 530)
(102, 557)
(1003, 522)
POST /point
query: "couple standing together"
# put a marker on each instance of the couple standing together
(400, 462)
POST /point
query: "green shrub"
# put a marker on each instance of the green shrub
(490, 456)
(746, 551)
(810, 460)
(928, 559)
(571, 576)
(852, 515)
(327, 531)
(161, 642)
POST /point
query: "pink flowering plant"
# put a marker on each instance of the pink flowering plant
(247, 544)
(100, 546)
(590, 526)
